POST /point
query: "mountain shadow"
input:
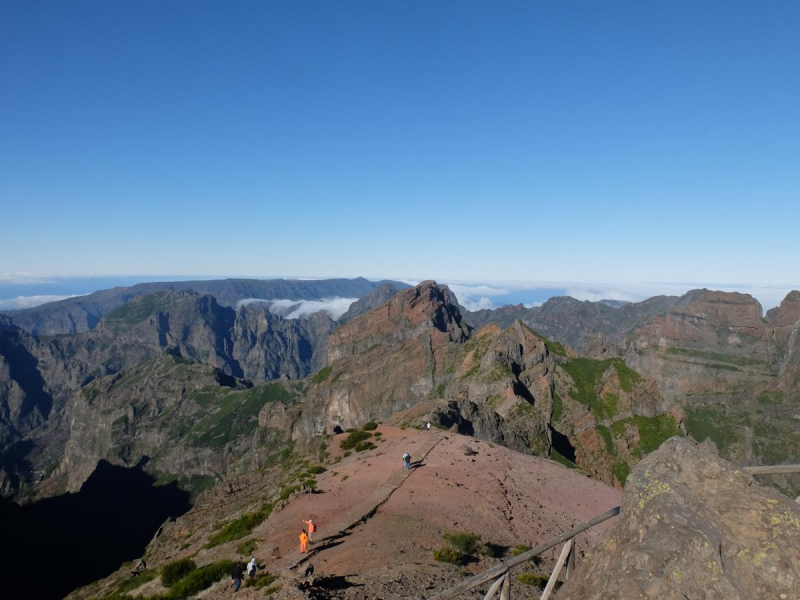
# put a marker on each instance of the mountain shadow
(58, 544)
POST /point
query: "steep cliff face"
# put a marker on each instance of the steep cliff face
(386, 360)
(185, 419)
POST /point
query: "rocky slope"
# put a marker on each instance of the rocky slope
(692, 525)
(379, 524)
(80, 314)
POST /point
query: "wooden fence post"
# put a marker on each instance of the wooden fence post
(571, 560)
(505, 594)
(493, 590)
(554, 577)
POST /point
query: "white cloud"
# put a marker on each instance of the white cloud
(29, 301)
(294, 309)
(594, 295)
(532, 304)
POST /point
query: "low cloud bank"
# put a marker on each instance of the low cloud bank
(295, 309)
(30, 301)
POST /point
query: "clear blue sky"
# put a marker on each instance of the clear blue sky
(560, 141)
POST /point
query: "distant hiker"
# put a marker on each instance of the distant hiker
(406, 461)
(252, 566)
(428, 426)
(303, 541)
(140, 566)
(237, 575)
(312, 527)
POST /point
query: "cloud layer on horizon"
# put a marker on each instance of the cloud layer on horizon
(30, 301)
(294, 309)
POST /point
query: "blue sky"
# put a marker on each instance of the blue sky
(521, 141)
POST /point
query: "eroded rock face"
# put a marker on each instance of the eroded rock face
(694, 526)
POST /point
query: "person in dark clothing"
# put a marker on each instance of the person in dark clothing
(237, 575)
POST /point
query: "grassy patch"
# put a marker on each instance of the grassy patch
(770, 397)
(539, 581)
(439, 391)
(370, 426)
(234, 412)
(247, 547)
(519, 549)
(238, 528)
(559, 458)
(654, 431)
(604, 433)
(702, 423)
(132, 583)
(321, 375)
(448, 555)
(363, 446)
(261, 580)
(621, 470)
(173, 572)
(200, 579)
(558, 406)
(466, 543)
(587, 375)
(716, 356)
(354, 438)
(139, 309)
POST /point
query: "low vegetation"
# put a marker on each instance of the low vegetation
(200, 579)
(320, 375)
(246, 548)
(240, 527)
(353, 438)
(539, 581)
(173, 572)
(370, 426)
(260, 581)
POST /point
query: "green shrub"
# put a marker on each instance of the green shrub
(533, 579)
(311, 483)
(316, 470)
(378, 434)
(466, 543)
(240, 527)
(177, 570)
(271, 590)
(370, 426)
(321, 375)
(448, 555)
(362, 446)
(519, 549)
(261, 580)
(200, 579)
(345, 477)
(346, 454)
(247, 547)
(288, 491)
(353, 438)
(131, 583)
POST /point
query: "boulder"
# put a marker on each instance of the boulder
(692, 525)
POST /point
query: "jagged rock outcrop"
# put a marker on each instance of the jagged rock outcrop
(372, 300)
(693, 526)
(386, 360)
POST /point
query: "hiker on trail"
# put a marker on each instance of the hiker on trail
(252, 566)
(428, 426)
(406, 461)
(237, 576)
(140, 566)
(303, 541)
(312, 527)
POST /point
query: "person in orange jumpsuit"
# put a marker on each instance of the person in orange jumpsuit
(303, 541)
(312, 527)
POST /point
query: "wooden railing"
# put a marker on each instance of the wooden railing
(500, 573)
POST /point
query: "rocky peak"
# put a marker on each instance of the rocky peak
(788, 313)
(693, 525)
(426, 307)
(722, 307)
